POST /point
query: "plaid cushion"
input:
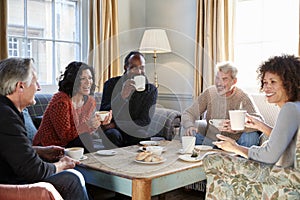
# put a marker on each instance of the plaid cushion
(42, 101)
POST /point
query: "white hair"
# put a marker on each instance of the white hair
(12, 71)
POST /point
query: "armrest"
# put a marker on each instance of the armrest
(164, 122)
(41, 190)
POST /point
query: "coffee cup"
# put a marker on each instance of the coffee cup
(218, 123)
(237, 119)
(157, 150)
(140, 82)
(75, 152)
(102, 114)
(188, 143)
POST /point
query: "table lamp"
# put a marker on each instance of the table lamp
(155, 41)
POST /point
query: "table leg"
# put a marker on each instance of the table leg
(141, 189)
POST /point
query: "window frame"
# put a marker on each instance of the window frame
(29, 35)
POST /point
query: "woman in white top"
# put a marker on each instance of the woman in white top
(280, 81)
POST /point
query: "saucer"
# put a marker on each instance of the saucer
(106, 152)
(83, 158)
(188, 158)
(147, 149)
(150, 163)
(149, 143)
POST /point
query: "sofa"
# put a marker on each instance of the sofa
(230, 177)
(165, 122)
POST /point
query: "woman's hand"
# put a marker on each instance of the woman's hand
(50, 153)
(253, 122)
(107, 119)
(227, 127)
(258, 124)
(96, 121)
(230, 145)
(226, 143)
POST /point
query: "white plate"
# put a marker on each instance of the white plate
(150, 163)
(145, 148)
(106, 152)
(149, 143)
(203, 147)
(83, 158)
(188, 158)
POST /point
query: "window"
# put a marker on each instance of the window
(264, 28)
(13, 47)
(48, 31)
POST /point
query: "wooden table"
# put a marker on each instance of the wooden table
(120, 173)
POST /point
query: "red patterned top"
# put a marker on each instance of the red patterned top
(62, 123)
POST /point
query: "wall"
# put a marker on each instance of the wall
(175, 70)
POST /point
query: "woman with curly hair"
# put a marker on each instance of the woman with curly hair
(69, 119)
(280, 81)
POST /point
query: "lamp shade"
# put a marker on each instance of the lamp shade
(155, 41)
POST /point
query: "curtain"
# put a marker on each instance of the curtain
(103, 41)
(3, 29)
(214, 39)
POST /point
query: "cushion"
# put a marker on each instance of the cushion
(163, 123)
(30, 127)
(42, 101)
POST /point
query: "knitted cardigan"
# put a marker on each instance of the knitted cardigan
(62, 123)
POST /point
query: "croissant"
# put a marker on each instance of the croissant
(141, 156)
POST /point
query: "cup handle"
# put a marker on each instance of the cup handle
(211, 122)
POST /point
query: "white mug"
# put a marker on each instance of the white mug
(188, 143)
(155, 149)
(237, 119)
(140, 82)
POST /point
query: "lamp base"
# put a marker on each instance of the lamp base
(156, 81)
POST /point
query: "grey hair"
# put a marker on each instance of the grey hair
(226, 67)
(12, 71)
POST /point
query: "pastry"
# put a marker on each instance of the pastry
(156, 158)
(148, 158)
(141, 156)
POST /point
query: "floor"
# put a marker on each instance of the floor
(179, 194)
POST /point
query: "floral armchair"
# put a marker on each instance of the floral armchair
(230, 177)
